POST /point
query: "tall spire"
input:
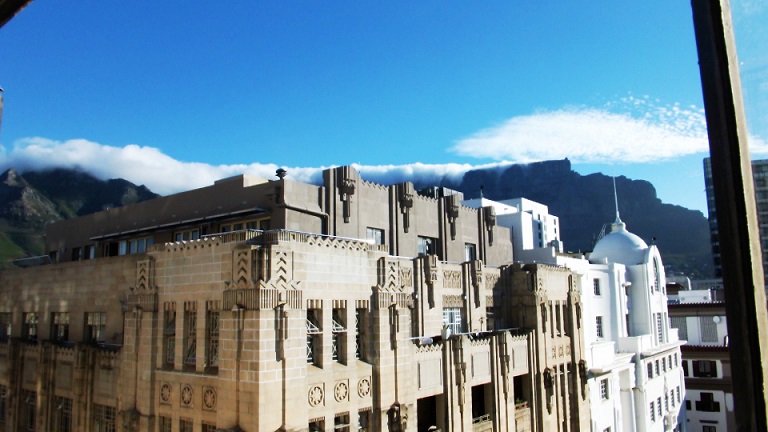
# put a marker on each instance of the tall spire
(616, 200)
(618, 224)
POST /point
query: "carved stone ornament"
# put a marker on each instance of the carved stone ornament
(452, 205)
(364, 387)
(165, 393)
(316, 395)
(187, 394)
(489, 214)
(341, 391)
(347, 178)
(209, 398)
(405, 193)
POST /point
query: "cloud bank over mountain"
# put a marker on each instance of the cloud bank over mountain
(629, 130)
(165, 175)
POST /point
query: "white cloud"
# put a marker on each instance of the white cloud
(641, 132)
(140, 165)
(165, 175)
(630, 130)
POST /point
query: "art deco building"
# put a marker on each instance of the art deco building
(262, 305)
(631, 356)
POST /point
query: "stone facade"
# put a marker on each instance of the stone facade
(277, 305)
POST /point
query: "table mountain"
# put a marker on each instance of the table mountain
(585, 203)
(30, 201)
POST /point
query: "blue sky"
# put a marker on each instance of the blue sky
(175, 94)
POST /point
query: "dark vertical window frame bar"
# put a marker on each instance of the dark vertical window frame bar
(745, 300)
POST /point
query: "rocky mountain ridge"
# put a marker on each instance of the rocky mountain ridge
(584, 204)
(30, 201)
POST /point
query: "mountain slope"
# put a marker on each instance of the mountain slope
(29, 202)
(585, 203)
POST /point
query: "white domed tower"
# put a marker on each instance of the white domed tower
(645, 280)
(658, 388)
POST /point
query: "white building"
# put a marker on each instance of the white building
(530, 224)
(634, 361)
(706, 361)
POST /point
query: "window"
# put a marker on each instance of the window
(666, 402)
(705, 368)
(708, 428)
(708, 330)
(255, 224)
(190, 335)
(169, 335)
(361, 333)
(663, 364)
(672, 397)
(95, 327)
(135, 246)
(185, 425)
(656, 275)
(649, 366)
(63, 414)
(452, 319)
(339, 336)
(687, 405)
(314, 336)
(104, 418)
(29, 329)
(707, 403)
(658, 406)
(364, 421)
(604, 394)
(262, 225)
(599, 326)
(3, 405)
(470, 252)
(28, 411)
(60, 326)
(209, 427)
(653, 412)
(685, 368)
(5, 325)
(596, 286)
(212, 338)
(317, 425)
(341, 422)
(626, 319)
(193, 234)
(677, 390)
(426, 246)
(681, 324)
(375, 235)
(659, 329)
(658, 371)
(166, 424)
(489, 319)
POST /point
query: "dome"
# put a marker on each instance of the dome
(620, 246)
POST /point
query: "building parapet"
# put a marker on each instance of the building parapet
(602, 353)
(635, 344)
